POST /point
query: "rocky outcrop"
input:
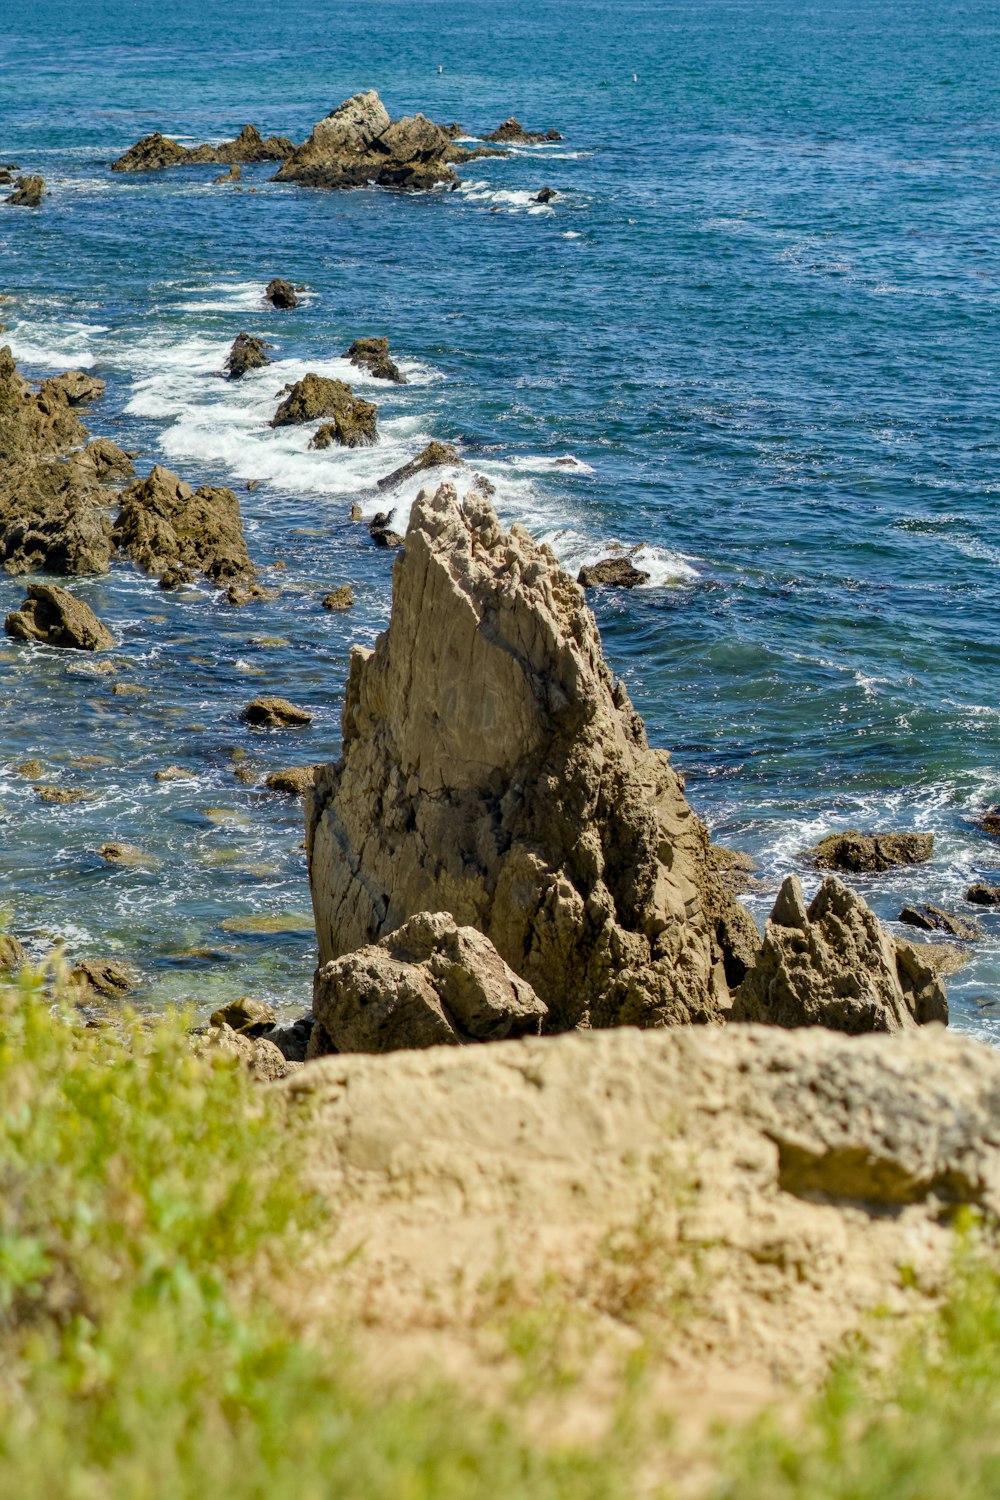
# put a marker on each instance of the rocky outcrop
(436, 455)
(612, 573)
(930, 918)
(234, 174)
(13, 954)
(57, 618)
(247, 353)
(494, 769)
(381, 532)
(353, 421)
(75, 387)
(871, 853)
(358, 143)
(165, 526)
(339, 599)
(157, 151)
(431, 983)
(513, 133)
(373, 355)
(28, 192)
(990, 821)
(294, 781)
(981, 894)
(281, 294)
(276, 713)
(835, 965)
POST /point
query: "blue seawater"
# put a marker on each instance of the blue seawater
(761, 315)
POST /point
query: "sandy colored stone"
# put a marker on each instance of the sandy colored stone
(516, 790)
(13, 953)
(372, 354)
(340, 598)
(872, 853)
(56, 617)
(358, 143)
(295, 781)
(276, 713)
(105, 977)
(166, 526)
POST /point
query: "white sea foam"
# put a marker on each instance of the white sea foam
(51, 344)
(510, 198)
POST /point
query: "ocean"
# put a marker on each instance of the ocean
(760, 317)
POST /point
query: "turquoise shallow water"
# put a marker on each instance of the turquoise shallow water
(762, 315)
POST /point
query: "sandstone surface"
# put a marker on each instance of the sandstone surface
(57, 618)
(835, 965)
(493, 768)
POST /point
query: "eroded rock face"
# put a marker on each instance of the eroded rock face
(57, 618)
(166, 526)
(872, 853)
(612, 573)
(353, 421)
(493, 768)
(373, 355)
(835, 965)
(431, 983)
(358, 143)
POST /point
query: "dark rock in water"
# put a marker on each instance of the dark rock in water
(373, 355)
(358, 143)
(981, 894)
(990, 822)
(932, 919)
(430, 983)
(13, 954)
(157, 151)
(294, 781)
(514, 134)
(57, 618)
(735, 869)
(292, 1038)
(164, 525)
(434, 456)
(247, 353)
(244, 1015)
(105, 977)
(339, 599)
(835, 965)
(276, 713)
(381, 533)
(75, 387)
(234, 174)
(546, 195)
(116, 853)
(354, 420)
(281, 294)
(872, 853)
(28, 193)
(612, 573)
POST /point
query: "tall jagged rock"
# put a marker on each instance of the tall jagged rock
(835, 965)
(359, 143)
(494, 769)
(166, 526)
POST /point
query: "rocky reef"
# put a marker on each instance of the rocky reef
(359, 143)
(157, 151)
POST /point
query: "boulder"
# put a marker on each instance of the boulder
(28, 192)
(492, 767)
(513, 133)
(612, 573)
(57, 618)
(932, 919)
(313, 397)
(104, 977)
(247, 353)
(276, 713)
(281, 294)
(339, 599)
(546, 195)
(436, 455)
(151, 154)
(871, 853)
(75, 387)
(835, 965)
(382, 533)
(244, 1015)
(233, 175)
(165, 525)
(295, 781)
(44, 529)
(261, 1057)
(981, 894)
(358, 143)
(100, 460)
(13, 954)
(431, 983)
(373, 355)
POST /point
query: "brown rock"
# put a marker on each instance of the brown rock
(516, 789)
(340, 599)
(546, 195)
(156, 152)
(75, 387)
(115, 853)
(233, 175)
(164, 525)
(932, 919)
(513, 133)
(381, 532)
(612, 573)
(247, 353)
(28, 192)
(13, 954)
(358, 143)
(31, 768)
(103, 976)
(281, 294)
(276, 713)
(431, 983)
(434, 456)
(151, 154)
(59, 795)
(835, 965)
(990, 822)
(314, 396)
(57, 618)
(872, 853)
(244, 1014)
(295, 781)
(373, 355)
(260, 1056)
(982, 894)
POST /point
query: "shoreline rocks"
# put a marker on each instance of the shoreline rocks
(281, 294)
(354, 420)
(28, 192)
(56, 617)
(612, 573)
(171, 530)
(871, 853)
(436, 455)
(930, 918)
(276, 713)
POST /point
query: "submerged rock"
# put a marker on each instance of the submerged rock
(990, 821)
(612, 573)
(28, 192)
(281, 294)
(435, 456)
(546, 195)
(358, 143)
(932, 919)
(981, 894)
(57, 618)
(872, 853)
(513, 133)
(515, 788)
(373, 355)
(164, 525)
(430, 983)
(247, 353)
(354, 421)
(835, 965)
(233, 175)
(276, 713)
